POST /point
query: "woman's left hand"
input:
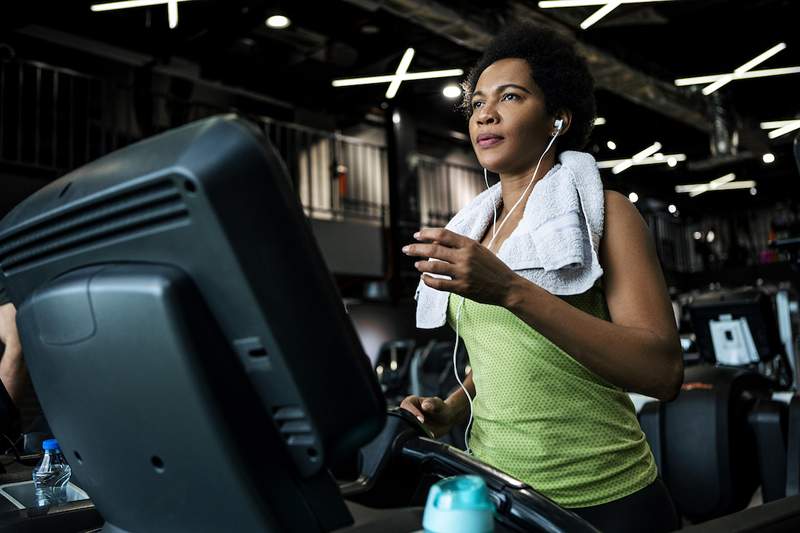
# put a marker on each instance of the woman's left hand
(476, 272)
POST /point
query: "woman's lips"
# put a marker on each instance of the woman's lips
(485, 142)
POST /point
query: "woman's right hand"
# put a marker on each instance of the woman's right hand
(433, 412)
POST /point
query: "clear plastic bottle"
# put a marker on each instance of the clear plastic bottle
(51, 475)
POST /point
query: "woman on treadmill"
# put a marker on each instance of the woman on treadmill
(550, 368)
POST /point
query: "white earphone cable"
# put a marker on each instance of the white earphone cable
(461, 303)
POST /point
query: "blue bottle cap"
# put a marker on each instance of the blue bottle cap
(50, 444)
(459, 504)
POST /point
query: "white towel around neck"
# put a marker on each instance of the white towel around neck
(555, 245)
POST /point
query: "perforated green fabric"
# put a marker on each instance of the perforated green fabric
(543, 417)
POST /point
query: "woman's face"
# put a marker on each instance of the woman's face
(509, 125)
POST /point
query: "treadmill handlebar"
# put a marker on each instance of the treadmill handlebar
(515, 501)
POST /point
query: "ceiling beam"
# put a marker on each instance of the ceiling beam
(609, 72)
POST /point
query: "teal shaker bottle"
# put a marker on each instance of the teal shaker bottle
(459, 504)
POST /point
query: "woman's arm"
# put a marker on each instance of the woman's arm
(12, 366)
(639, 350)
(440, 416)
(458, 401)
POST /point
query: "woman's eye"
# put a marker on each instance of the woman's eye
(510, 96)
(475, 105)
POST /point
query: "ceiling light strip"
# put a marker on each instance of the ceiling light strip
(127, 4)
(778, 124)
(727, 178)
(647, 161)
(363, 81)
(433, 74)
(628, 163)
(600, 13)
(736, 185)
(699, 188)
(774, 134)
(346, 82)
(698, 80)
(172, 13)
(402, 68)
(655, 147)
(553, 4)
(744, 68)
(761, 58)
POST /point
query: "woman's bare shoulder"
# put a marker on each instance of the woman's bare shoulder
(621, 214)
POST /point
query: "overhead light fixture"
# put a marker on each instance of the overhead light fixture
(718, 80)
(780, 127)
(744, 68)
(600, 13)
(278, 22)
(719, 182)
(552, 4)
(172, 7)
(710, 236)
(607, 6)
(774, 124)
(697, 235)
(347, 82)
(400, 75)
(628, 163)
(402, 68)
(665, 158)
(633, 197)
(673, 161)
(452, 91)
(712, 185)
(611, 145)
(700, 80)
(672, 208)
(768, 158)
(753, 191)
(724, 183)
(599, 121)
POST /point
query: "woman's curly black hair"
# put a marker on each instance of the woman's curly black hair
(558, 70)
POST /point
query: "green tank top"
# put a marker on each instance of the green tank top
(543, 417)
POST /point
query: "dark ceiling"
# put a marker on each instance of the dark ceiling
(228, 41)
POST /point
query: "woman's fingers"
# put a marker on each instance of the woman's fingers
(442, 244)
(421, 406)
(437, 251)
(441, 235)
(439, 284)
(432, 405)
(413, 404)
(436, 267)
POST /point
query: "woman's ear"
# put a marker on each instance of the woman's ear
(565, 118)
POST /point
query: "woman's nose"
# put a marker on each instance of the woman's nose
(487, 115)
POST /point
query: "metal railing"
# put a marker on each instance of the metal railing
(49, 116)
(53, 120)
(444, 188)
(337, 177)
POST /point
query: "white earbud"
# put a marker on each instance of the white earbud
(559, 125)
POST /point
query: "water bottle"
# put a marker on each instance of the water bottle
(459, 504)
(51, 475)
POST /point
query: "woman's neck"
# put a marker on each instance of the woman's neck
(513, 185)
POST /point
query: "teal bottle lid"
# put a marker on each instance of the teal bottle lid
(459, 504)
